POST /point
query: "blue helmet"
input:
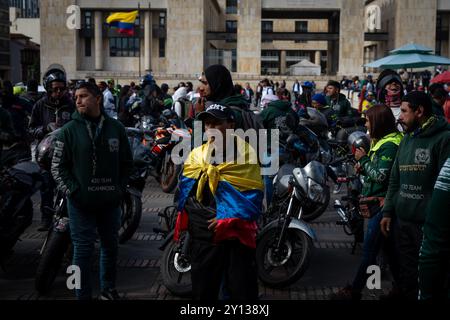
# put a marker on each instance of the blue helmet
(147, 80)
(308, 84)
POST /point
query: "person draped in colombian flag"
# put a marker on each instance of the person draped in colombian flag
(219, 203)
(124, 21)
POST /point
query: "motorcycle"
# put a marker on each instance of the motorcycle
(18, 184)
(293, 154)
(284, 245)
(175, 262)
(162, 144)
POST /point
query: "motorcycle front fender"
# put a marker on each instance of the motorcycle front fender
(167, 240)
(295, 224)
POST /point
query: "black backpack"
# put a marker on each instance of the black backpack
(249, 120)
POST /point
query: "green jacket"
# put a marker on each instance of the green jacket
(419, 159)
(341, 105)
(274, 110)
(377, 165)
(236, 101)
(434, 255)
(94, 179)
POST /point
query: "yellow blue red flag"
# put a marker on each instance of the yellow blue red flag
(124, 21)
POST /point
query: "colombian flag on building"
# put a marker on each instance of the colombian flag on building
(237, 188)
(124, 21)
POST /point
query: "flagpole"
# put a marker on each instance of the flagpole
(140, 45)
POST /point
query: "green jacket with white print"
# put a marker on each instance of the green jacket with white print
(92, 161)
(420, 157)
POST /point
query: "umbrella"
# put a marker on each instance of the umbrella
(442, 78)
(409, 56)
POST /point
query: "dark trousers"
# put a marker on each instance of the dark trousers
(83, 231)
(374, 241)
(409, 239)
(228, 266)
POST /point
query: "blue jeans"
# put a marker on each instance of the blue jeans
(83, 227)
(373, 242)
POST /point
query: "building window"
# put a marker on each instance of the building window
(162, 20)
(301, 27)
(270, 62)
(87, 47)
(267, 27)
(232, 7)
(231, 27)
(28, 8)
(124, 47)
(88, 20)
(162, 48)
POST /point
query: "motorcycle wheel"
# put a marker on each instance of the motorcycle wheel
(312, 213)
(169, 176)
(131, 217)
(51, 260)
(278, 269)
(175, 271)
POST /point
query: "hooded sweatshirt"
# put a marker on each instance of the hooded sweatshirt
(341, 105)
(220, 83)
(419, 159)
(91, 162)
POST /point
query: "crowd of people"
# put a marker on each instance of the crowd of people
(406, 168)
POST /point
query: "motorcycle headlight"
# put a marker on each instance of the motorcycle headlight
(315, 191)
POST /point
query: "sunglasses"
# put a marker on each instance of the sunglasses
(59, 89)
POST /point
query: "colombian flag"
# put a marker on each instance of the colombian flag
(237, 188)
(124, 21)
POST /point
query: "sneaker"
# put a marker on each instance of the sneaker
(110, 294)
(345, 293)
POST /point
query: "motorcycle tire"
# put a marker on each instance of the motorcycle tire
(169, 176)
(171, 276)
(131, 217)
(267, 260)
(310, 214)
(51, 260)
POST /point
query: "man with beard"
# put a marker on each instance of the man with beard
(53, 111)
(420, 156)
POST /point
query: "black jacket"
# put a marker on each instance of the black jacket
(44, 113)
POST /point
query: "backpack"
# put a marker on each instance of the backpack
(249, 120)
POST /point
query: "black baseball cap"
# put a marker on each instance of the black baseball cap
(217, 111)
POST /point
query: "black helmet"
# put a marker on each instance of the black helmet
(44, 150)
(54, 73)
(358, 140)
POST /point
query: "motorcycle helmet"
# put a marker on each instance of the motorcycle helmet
(54, 73)
(316, 122)
(358, 140)
(147, 80)
(44, 150)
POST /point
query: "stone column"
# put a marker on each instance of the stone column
(283, 62)
(318, 58)
(185, 36)
(351, 38)
(249, 37)
(98, 51)
(420, 26)
(148, 38)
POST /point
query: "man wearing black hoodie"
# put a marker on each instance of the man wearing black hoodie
(420, 156)
(337, 101)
